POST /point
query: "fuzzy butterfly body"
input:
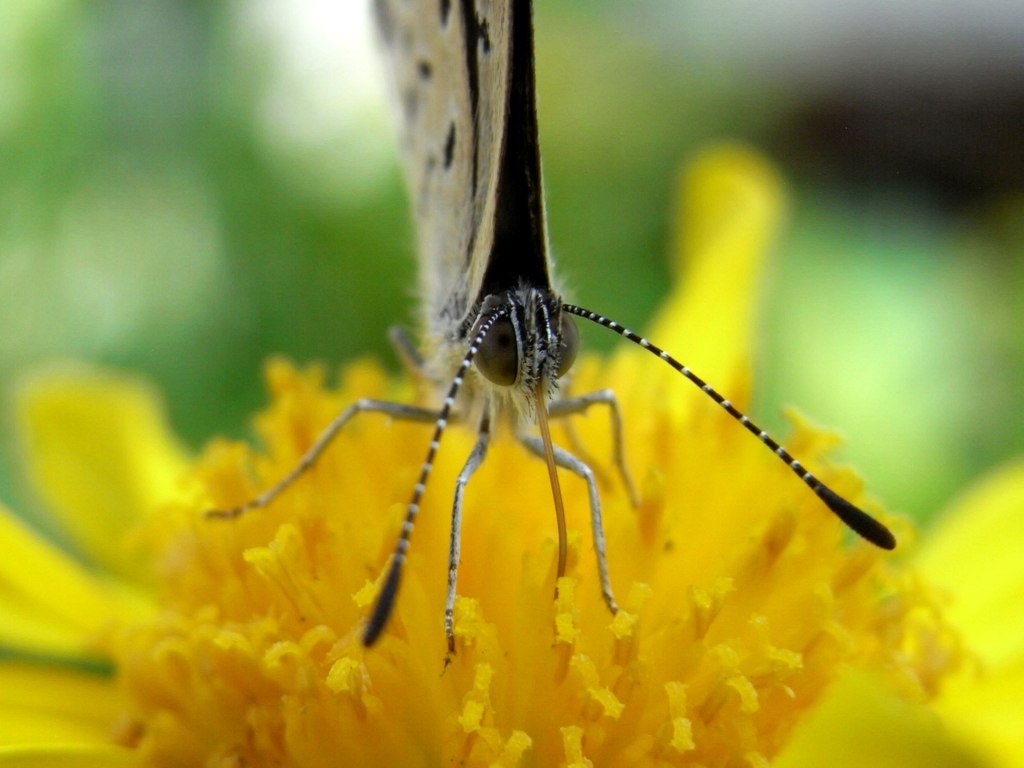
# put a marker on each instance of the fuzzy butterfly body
(463, 88)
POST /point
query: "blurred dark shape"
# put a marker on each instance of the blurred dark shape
(961, 146)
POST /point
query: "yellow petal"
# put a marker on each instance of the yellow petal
(101, 455)
(975, 555)
(731, 207)
(989, 712)
(69, 755)
(860, 724)
(42, 704)
(49, 604)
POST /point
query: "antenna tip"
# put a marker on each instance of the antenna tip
(857, 519)
(385, 602)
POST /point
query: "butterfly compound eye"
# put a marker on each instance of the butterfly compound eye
(498, 356)
(570, 345)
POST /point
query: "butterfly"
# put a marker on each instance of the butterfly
(497, 337)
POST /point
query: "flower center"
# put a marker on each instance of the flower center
(741, 603)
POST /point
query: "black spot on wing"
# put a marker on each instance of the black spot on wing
(424, 69)
(484, 35)
(446, 9)
(471, 30)
(449, 147)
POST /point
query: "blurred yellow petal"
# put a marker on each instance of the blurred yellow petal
(101, 455)
(988, 710)
(49, 604)
(860, 724)
(42, 704)
(731, 208)
(70, 755)
(976, 554)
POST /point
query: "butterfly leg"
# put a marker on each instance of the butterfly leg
(476, 458)
(395, 410)
(409, 356)
(581, 404)
(566, 460)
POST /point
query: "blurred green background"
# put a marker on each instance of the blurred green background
(188, 187)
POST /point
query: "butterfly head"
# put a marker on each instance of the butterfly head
(529, 348)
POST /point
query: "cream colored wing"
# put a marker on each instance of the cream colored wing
(448, 62)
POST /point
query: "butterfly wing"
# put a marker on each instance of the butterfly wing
(448, 62)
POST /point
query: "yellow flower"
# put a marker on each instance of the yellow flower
(752, 630)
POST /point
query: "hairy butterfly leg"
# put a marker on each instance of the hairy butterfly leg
(395, 410)
(580, 404)
(408, 354)
(473, 462)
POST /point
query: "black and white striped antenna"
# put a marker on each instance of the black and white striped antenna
(389, 589)
(859, 521)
